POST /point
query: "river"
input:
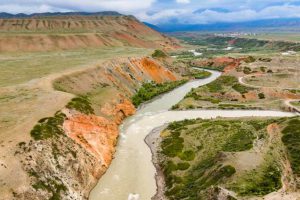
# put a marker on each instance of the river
(131, 176)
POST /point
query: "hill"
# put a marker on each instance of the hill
(288, 24)
(49, 14)
(57, 31)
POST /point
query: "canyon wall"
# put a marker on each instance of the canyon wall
(70, 151)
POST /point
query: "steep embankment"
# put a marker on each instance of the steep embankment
(60, 33)
(70, 151)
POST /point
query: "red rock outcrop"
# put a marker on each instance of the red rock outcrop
(96, 134)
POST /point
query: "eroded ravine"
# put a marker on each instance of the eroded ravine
(132, 174)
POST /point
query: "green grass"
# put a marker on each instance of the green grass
(51, 186)
(200, 143)
(159, 54)
(240, 141)
(48, 127)
(241, 88)
(226, 93)
(201, 75)
(21, 67)
(52, 126)
(291, 139)
(151, 90)
(81, 104)
(259, 182)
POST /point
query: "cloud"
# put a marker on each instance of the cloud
(167, 11)
(183, 1)
(126, 6)
(205, 16)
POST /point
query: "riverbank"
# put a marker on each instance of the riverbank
(153, 141)
(132, 150)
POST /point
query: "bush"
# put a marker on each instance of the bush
(242, 140)
(202, 75)
(183, 166)
(261, 95)
(187, 155)
(81, 104)
(151, 90)
(247, 70)
(48, 127)
(269, 180)
(265, 59)
(241, 88)
(159, 54)
(291, 139)
(250, 59)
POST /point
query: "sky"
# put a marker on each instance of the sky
(167, 11)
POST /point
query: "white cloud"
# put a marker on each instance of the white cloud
(183, 1)
(126, 6)
(163, 11)
(188, 16)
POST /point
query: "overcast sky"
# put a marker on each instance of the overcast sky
(166, 11)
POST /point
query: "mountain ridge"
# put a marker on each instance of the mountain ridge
(5, 15)
(284, 24)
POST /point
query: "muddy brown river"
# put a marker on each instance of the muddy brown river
(131, 176)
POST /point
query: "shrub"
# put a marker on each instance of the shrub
(263, 69)
(187, 155)
(48, 127)
(291, 139)
(265, 59)
(241, 88)
(183, 166)
(250, 59)
(159, 54)
(247, 70)
(263, 183)
(242, 140)
(261, 95)
(202, 75)
(81, 104)
(151, 90)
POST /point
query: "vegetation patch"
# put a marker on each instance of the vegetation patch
(48, 127)
(152, 89)
(53, 186)
(201, 74)
(159, 54)
(241, 88)
(259, 182)
(81, 104)
(291, 139)
(193, 152)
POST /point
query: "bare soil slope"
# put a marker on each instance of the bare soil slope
(56, 33)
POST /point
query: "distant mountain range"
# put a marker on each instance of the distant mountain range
(48, 14)
(290, 24)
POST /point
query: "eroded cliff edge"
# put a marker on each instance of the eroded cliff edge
(71, 150)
